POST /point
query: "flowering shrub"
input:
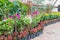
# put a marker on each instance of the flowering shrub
(23, 33)
(35, 13)
(11, 17)
(22, 22)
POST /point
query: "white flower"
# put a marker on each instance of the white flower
(30, 18)
(4, 20)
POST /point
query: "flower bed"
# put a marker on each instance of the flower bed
(44, 19)
(18, 26)
(26, 28)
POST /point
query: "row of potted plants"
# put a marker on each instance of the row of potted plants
(43, 19)
(25, 27)
(18, 25)
(52, 18)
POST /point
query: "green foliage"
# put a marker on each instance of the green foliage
(18, 7)
(9, 8)
(7, 25)
(23, 22)
(50, 16)
(36, 19)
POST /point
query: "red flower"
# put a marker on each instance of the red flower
(35, 13)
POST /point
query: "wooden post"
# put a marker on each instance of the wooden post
(29, 3)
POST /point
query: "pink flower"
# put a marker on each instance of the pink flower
(10, 16)
(35, 13)
(18, 16)
(5, 18)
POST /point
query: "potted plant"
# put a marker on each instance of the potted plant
(32, 32)
(39, 30)
(22, 24)
(7, 26)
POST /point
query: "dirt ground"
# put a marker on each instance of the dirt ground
(51, 32)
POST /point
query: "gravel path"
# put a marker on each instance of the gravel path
(51, 32)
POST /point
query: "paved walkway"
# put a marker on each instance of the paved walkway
(51, 32)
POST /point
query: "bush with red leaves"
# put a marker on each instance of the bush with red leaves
(34, 30)
(9, 37)
(39, 28)
(42, 24)
(23, 33)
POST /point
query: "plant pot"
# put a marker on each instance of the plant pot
(52, 21)
(31, 36)
(55, 20)
(45, 25)
(49, 21)
(41, 30)
(58, 19)
(24, 38)
(46, 21)
(38, 33)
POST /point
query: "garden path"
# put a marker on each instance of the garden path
(51, 32)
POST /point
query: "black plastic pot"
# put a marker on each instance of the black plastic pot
(28, 37)
(38, 33)
(31, 36)
(34, 35)
(24, 38)
(45, 25)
